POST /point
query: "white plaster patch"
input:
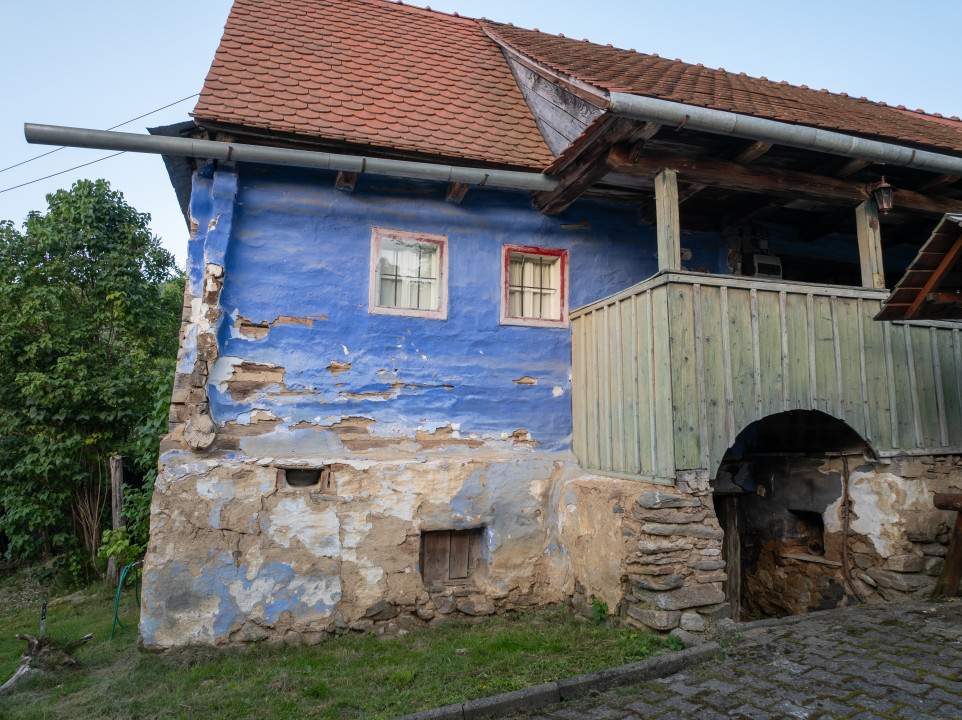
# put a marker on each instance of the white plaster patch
(260, 592)
(345, 349)
(223, 370)
(557, 391)
(305, 443)
(318, 530)
(219, 491)
(317, 592)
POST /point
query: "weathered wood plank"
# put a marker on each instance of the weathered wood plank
(717, 382)
(950, 352)
(876, 400)
(939, 386)
(730, 430)
(617, 400)
(826, 379)
(799, 386)
(634, 368)
(892, 372)
(770, 354)
(684, 385)
(437, 555)
(648, 387)
(783, 321)
(592, 398)
(458, 565)
(742, 358)
(849, 342)
(925, 386)
(703, 441)
(578, 370)
(662, 387)
(604, 389)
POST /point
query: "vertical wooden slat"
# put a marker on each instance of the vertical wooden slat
(863, 373)
(437, 548)
(604, 360)
(630, 367)
(458, 563)
(799, 349)
(756, 361)
(783, 333)
(667, 219)
(727, 367)
(742, 357)
(703, 441)
(924, 389)
(770, 361)
(643, 377)
(913, 385)
(837, 357)
(578, 389)
(652, 386)
(848, 367)
(826, 377)
(617, 393)
(592, 399)
(684, 385)
(939, 389)
(717, 382)
(812, 366)
(664, 391)
(877, 398)
(891, 371)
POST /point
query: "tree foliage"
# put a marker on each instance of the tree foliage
(89, 314)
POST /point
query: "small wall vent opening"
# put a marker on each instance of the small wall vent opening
(450, 555)
(318, 478)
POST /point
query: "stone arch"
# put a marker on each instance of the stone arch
(772, 491)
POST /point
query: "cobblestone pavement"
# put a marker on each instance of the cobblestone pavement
(883, 661)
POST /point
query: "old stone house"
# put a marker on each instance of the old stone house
(480, 318)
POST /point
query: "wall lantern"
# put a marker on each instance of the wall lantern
(883, 194)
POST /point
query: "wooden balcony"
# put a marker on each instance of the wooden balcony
(666, 373)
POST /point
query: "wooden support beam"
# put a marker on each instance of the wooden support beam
(689, 192)
(938, 181)
(457, 191)
(869, 244)
(345, 180)
(935, 279)
(669, 224)
(640, 137)
(945, 298)
(754, 151)
(770, 181)
(852, 167)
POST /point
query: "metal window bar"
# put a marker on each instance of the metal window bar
(409, 275)
(531, 278)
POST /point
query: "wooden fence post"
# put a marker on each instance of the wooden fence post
(116, 509)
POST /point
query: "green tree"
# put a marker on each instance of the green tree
(89, 315)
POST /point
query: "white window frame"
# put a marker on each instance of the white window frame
(562, 258)
(441, 241)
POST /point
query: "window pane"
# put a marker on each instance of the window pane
(534, 283)
(409, 275)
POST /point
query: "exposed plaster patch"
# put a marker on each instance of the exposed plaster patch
(557, 391)
(213, 222)
(317, 528)
(526, 380)
(251, 330)
(345, 349)
(443, 437)
(250, 378)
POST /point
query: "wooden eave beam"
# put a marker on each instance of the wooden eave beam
(769, 181)
(345, 180)
(852, 167)
(754, 151)
(689, 192)
(457, 191)
(585, 167)
(936, 182)
(935, 279)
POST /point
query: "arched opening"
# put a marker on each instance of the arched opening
(777, 489)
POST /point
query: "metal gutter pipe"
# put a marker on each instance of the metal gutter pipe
(238, 152)
(722, 122)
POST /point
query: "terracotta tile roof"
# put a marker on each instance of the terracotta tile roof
(370, 72)
(626, 71)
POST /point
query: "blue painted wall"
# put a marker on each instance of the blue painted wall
(300, 248)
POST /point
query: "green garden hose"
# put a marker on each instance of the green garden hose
(120, 587)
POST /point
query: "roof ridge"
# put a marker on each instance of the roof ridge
(425, 10)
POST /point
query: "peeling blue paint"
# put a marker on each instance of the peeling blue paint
(301, 249)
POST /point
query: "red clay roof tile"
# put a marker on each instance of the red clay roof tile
(613, 69)
(370, 67)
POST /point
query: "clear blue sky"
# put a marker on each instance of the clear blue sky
(100, 63)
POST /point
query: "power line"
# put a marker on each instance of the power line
(127, 122)
(77, 167)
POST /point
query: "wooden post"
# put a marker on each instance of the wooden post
(669, 225)
(870, 245)
(116, 509)
(947, 585)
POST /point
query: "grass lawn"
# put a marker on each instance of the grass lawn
(353, 676)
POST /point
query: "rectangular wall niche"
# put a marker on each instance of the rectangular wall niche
(317, 479)
(450, 555)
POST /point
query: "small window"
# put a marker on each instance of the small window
(408, 274)
(534, 285)
(450, 555)
(318, 479)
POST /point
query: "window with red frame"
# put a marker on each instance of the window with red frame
(534, 285)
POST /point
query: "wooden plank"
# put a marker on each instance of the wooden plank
(869, 244)
(606, 420)
(754, 151)
(578, 370)
(651, 384)
(850, 370)
(436, 548)
(632, 365)
(939, 387)
(730, 431)
(924, 388)
(769, 181)
(756, 360)
(863, 373)
(617, 401)
(345, 180)
(717, 380)
(703, 441)
(837, 353)
(947, 262)
(770, 354)
(892, 372)
(799, 349)
(877, 398)
(783, 332)
(669, 223)
(812, 362)
(826, 385)
(742, 354)
(458, 565)
(474, 550)
(684, 387)
(592, 398)
(953, 379)
(912, 387)
(456, 192)
(662, 386)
